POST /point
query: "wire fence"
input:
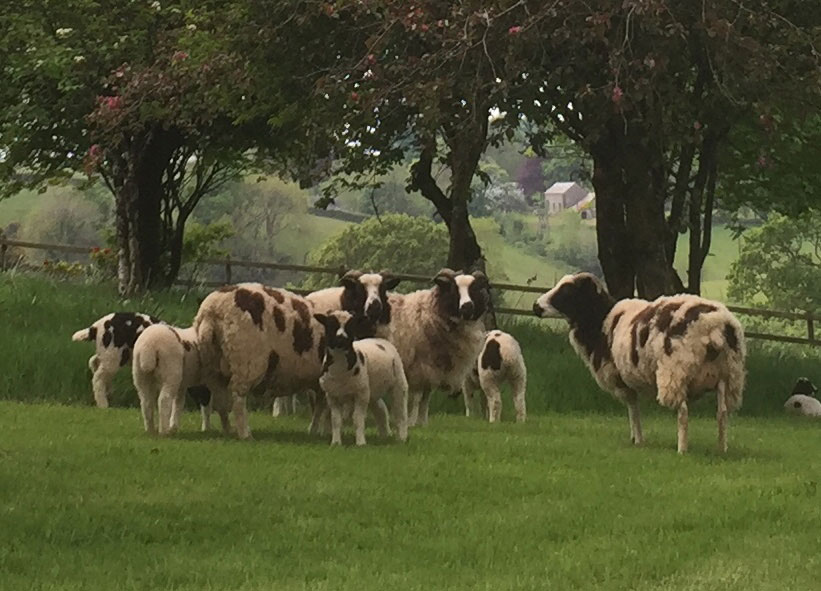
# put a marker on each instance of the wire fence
(229, 265)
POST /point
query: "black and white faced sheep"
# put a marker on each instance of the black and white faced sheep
(361, 294)
(499, 362)
(114, 336)
(361, 372)
(802, 401)
(438, 333)
(676, 347)
(166, 365)
(251, 334)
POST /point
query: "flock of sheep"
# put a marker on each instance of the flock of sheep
(356, 346)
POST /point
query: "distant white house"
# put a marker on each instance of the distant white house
(561, 196)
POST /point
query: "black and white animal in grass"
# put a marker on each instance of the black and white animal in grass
(802, 401)
(500, 362)
(114, 336)
(361, 294)
(361, 373)
(167, 365)
(438, 333)
(675, 348)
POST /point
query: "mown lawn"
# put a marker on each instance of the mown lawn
(87, 501)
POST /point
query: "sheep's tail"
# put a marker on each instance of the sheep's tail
(82, 335)
(208, 341)
(146, 360)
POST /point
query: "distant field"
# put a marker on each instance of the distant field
(87, 501)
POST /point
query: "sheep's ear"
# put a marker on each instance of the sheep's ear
(389, 281)
(481, 280)
(321, 318)
(444, 278)
(350, 278)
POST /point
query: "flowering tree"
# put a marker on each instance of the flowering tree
(151, 97)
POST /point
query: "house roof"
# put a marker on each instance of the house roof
(586, 203)
(563, 187)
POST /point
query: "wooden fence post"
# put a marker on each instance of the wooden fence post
(810, 327)
(228, 269)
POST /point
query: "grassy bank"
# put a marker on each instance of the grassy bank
(87, 501)
(40, 363)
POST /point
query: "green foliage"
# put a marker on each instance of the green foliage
(572, 242)
(396, 242)
(205, 241)
(63, 216)
(780, 264)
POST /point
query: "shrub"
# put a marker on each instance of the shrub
(396, 242)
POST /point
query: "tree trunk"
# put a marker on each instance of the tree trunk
(611, 229)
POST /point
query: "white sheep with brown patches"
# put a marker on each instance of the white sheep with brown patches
(361, 373)
(500, 362)
(438, 333)
(114, 336)
(674, 347)
(166, 365)
(250, 334)
(363, 294)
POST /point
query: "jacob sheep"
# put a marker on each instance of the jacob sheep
(361, 294)
(499, 362)
(678, 346)
(166, 365)
(114, 336)
(361, 372)
(251, 334)
(438, 333)
(802, 400)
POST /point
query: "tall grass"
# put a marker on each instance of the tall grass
(40, 363)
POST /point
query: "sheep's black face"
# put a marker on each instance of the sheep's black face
(462, 296)
(804, 386)
(340, 329)
(575, 297)
(367, 294)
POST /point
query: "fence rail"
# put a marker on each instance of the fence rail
(230, 264)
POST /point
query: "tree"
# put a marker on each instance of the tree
(780, 264)
(397, 242)
(651, 91)
(152, 96)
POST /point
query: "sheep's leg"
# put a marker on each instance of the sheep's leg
(165, 404)
(721, 416)
(494, 401)
(360, 410)
(101, 385)
(205, 413)
(240, 411)
(176, 411)
(682, 427)
(519, 388)
(631, 399)
(467, 395)
(399, 409)
(413, 418)
(382, 417)
(336, 422)
(319, 402)
(424, 403)
(147, 407)
(281, 406)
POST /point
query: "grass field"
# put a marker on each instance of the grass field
(87, 501)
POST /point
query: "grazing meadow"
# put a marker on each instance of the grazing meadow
(87, 500)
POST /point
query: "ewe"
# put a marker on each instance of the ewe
(678, 347)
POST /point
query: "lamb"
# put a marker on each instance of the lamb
(359, 293)
(166, 365)
(680, 346)
(114, 336)
(802, 401)
(251, 334)
(438, 333)
(361, 372)
(500, 361)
